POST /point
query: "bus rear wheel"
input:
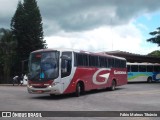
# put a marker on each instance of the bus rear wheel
(113, 85)
(149, 80)
(78, 90)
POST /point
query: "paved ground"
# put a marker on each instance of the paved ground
(131, 97)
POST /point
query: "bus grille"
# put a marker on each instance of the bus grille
(40, 86)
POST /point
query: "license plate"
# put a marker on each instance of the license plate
(39, 91)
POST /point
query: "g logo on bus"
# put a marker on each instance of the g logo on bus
(100, 77)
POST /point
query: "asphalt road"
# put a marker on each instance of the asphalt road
(131, 97)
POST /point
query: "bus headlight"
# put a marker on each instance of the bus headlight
(50, 86)
(30, 86)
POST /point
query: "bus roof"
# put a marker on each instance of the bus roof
(79, 51)
(142, 63)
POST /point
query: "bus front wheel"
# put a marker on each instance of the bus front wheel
(52, 95)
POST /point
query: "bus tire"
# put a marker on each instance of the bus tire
(52, 95)
(78, 90)
(113, 85)
(149, 80)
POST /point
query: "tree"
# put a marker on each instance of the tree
(27, 29)
(156, 38)
(155, 53)
(33, 26)
(17, 28)
(7, 52)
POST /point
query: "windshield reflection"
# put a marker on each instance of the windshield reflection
(43, 66)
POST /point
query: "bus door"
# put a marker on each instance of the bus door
(66, 68)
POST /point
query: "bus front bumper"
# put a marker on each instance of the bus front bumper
(54, 89)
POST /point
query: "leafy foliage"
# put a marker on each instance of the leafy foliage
(25, 36)
(26, 26)
(156, 38)
(7, 52)
(155, 53)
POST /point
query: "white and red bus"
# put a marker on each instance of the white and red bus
(68, 71)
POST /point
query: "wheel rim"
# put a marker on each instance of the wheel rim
(78, 90)
(113, 85)
(149, 80)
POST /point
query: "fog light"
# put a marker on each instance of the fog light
(30, 86)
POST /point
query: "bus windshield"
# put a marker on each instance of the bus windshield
(43, 65)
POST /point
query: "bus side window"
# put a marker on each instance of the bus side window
(117, 63)
(134, 68)
(80, 59)
(142, 68)
(93, 61)
(156, 68)
(103, 62)
(128, 68)
(111, 62)
(149, 68)
(66, 64)
(123, 64)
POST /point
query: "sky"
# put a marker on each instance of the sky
(94, 25)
